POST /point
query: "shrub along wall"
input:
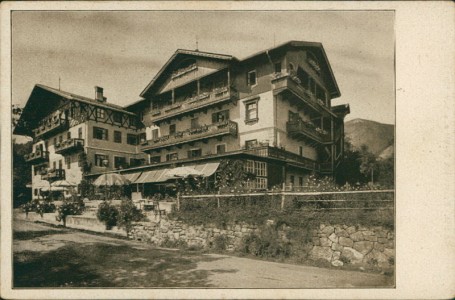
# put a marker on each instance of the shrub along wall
(338, 245)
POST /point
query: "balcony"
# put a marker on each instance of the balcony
(191, 135)
(52, 125)
(197, 102)
(54, 174)
(285, 83)
(69, 146)
(37, 157)
(307, 130)
(277, 153)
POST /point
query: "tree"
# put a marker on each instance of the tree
(16, 112)
(21, 173)
(349, 169)
(367, 163)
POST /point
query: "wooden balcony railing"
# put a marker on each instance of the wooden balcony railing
(54, 174)
(52, 125)
(300, 128)
(37, 157)
(273, 152)
(189, 135)
(194, 103)
(69, 145)
(285, 82)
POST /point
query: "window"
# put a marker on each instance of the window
(117, 137)
(249, 166)
(154, 134)
(119, 162)
(300, 150)
(260, 168)
(293, 117)
(100, 133)
(300, 181)
(251, 78)
(132, 121)
(194, 123)
(142, 137)
(79, 132)
(220, 149)
(60, 164)
(220, 116)
(251, 111)
(54, 165)
(100, 113)
(55, 141)
(131, 139)
(155, 159)
(60, 138)
(194, 153)
(291, 179)
(172, 129)
(172, 156)
(117, 117)
(101, 160)
(68, 135)
(277, 67)
(68, 162)
(250, 144)
(35, 191)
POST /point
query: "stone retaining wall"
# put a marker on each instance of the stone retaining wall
(337, 244)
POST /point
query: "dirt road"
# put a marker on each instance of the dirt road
(57, 257)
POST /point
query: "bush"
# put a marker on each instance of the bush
(127, 214)
(267, 244)
(220, 242)
(108, 214)
(68, 208)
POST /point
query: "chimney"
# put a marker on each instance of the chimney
(99, 94)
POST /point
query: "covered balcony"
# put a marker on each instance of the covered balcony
(37, 157)
(286, 85)
(305, 130)
(192, 135)
(69, 146)
(53, 174)
(198, 94)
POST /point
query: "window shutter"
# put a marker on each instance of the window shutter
(214, 118)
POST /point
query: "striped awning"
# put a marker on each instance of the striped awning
(132, 176)
(155, 176)
(152, 176)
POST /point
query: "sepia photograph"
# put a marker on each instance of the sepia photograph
(203, 149)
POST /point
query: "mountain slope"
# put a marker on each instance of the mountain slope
(377, 136)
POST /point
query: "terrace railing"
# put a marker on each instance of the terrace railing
(196, 102)
(37, 156)
(202, 132)
(69, 145)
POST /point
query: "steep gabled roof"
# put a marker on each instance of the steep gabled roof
(335, 91)
(190, 53)
(44, 99)
(71, 96)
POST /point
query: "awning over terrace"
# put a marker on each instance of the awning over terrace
(162, 175)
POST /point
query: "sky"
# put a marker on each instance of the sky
(122, 51)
